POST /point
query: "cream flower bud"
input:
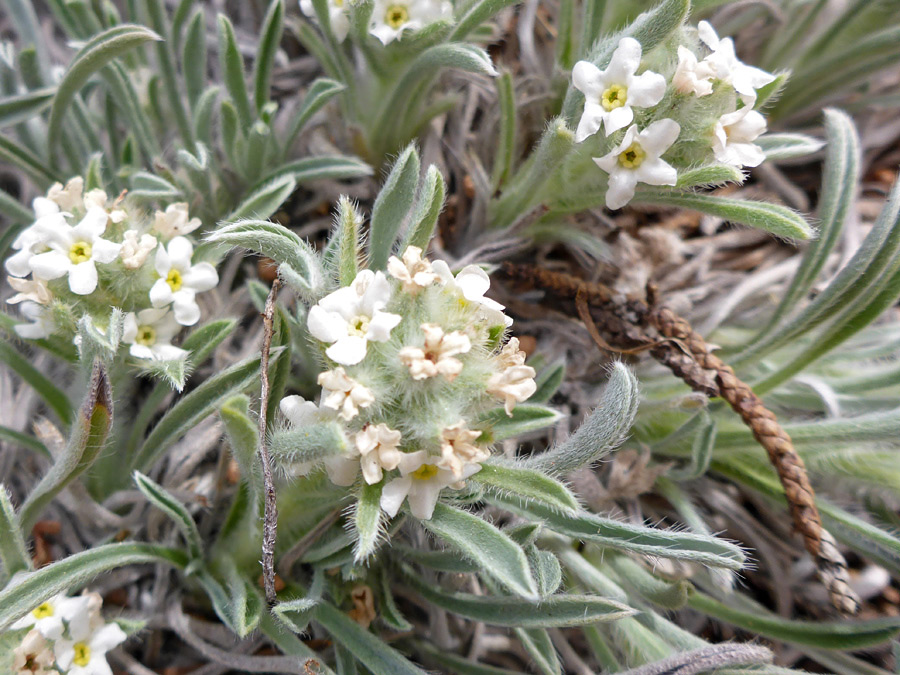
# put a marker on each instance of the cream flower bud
(95, 198)
(34, 290)
(515, 382)
(457, 448)
(68, 197)
(344, 394)
(436, 356)
(174, 221)
(413, 271)
(135, 251)
(692, 76)
(33, 656)
(377, 444)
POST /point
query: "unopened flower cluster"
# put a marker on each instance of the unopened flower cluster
(390, 18)
(414, 359)
(701, 112)
(66, 635)
(85, 254)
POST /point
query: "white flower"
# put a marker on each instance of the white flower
(734, 135)
(341, 469)
(472, 283)
(377, 444)
(436, 356)
(34, 290)
(86, 654)
(33, 239)
(692, 76)
(637, 160)
(68, 197)
(421, 482)
(338, 16)
(391, 17)
(41, 322)
(352, 316)
(174, 221)
(135, 251)
(728, 68)
(515, 382)
(76, 251)
(344, 394)
(47, 618)
(150, 333)
(180, 281)
(413, 270)
(33, 656)
(458, 451)
(610, 95)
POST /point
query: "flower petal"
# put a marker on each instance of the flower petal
(50, 265)
(298, 410)
(393, 494)
(185, 307)
(91, 226)
(656, 172)
(473, 282)
(588, 79)
(83, 278)
(381, 325)
(104, 251)
(140, 351)
(107, 637)
(342, 470)
(659, 137)
(646, 89)
(180, 251)
(326, 326)
(624, 62)
(161, 293)
(348, 351)
(590, 122)
(708, 34)
(621, 189)
(618, 118)
(422, 497)
(201, 277)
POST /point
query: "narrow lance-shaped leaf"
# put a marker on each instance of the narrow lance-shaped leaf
(55, 399)
(320, 92)
(193, 58)
(367, 521)
(309, 443)
(265, 200)
(15, 109)
(527, 483)
(428, 210)
(13, 551)
(87, 437)
(524, 420)
(788, 146)
(347, 234)
(232, 64)
(392, 206)
(477, 13)
(174, 509)
(270, 36)
(99, 51)
(493, 550)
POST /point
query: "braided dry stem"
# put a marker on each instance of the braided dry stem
(672, 341)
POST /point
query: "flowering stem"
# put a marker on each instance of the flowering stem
(271, 508)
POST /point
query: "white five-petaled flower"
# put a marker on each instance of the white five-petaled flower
(40, 322)
(150, 333)
(637, 160)
(413, 271)
(75, 251)
(378, 447)
(85, 653)
(728, 68)
(391, 17)
(180, 281)
(48, 617)
(514, 383)
(352, 316)
(421, 481)
(33, 239)
(734, 135)
(344, 394)
(458, 451)
(341, 469)
(338, 16)
(610, 95)
(692, 76)
(435, 357)
(33, 656)
(135, 251)
(174, 221)
(472, 283)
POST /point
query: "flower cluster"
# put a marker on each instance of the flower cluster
(414, 359)
(67, 635)
(390, 18)
(85, 254)
(698, 113)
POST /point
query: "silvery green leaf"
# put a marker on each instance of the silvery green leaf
(368, 526)
(165, 63)
(555, 611)
(714, 174)
(392, 207)
(13, 551)
(18, 108)
(87, 438)
(309, 443)
(95, 54)
(539, 646)
(506, 136)
(319, 168)
(175, 510)
(548, 381)
(525, 419)
(194, 407)
(203, 112)
(788, 145)
(232, 64)
(52, 395)
(70, 574)
(665, 594)
(779, 220)
(296, 614)
(203, 340)
(447, 560)
(16, 213)
(526, 483)
(23, 158)
(265, 200)
(476, 14)
(173, 372)
(701, 451)
(346, 237)
(193, 58)
(96, 344)
(603, 430)
(428, 209)
(496, 554)
(152, 187)
(390, 613)
(545, 569)
(246, 605)
(269, 38)
(319, 93)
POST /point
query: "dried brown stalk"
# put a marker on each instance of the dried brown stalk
(672, 341)
(270, 522)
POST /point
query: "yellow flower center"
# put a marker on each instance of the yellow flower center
(633, 156)
(43, 611)
(425, 472)
(146, 335)
(82, 654)
(614, 97)
(80, 252)
(173, 278)
(338, 3)
(359, 326)
(396, 16)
